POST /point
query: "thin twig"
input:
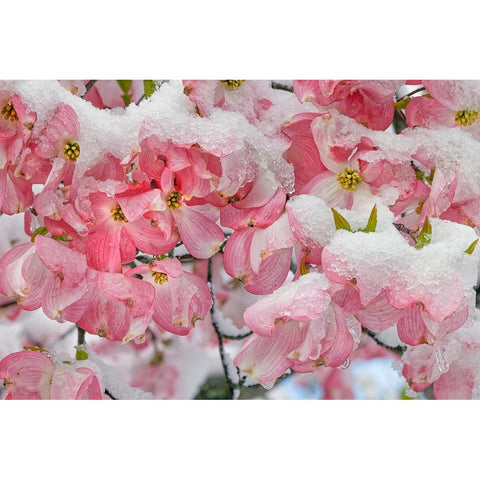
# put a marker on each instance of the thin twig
(404, 229)
(398, 350)
(109, 394)
(80, 336)
(88, 87)
(281, 86)
(232, 385)
(237, 337)
(9, 304)
(413, 92)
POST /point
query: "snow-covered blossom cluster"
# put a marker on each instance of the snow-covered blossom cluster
(291, 227)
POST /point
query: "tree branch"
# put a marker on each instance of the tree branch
(88, 87)
(233, 385)
(8, 304)
(281, 86)
(413, 92)
(398, 350)
(237, 337)
(109, 394)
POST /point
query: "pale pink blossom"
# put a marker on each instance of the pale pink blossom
(451, 103)
(181, 298)
(125, 222)
(58, 142)
(295, 327)
(368, 102)
(247, 97)
(117, 307)
(34, 374)
(260, 258)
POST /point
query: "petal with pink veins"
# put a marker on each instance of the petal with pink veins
(201, 236)
(266, 358)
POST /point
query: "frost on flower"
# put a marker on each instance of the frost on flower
(174, 225)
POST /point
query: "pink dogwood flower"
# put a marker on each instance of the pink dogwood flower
(368, 102)
(250, 98)
(259, 205)
(452, 103)
(58, 142)
(34, 374)
(45, 274)
(303, 152)
(295, 327)
(181, 298)
(16, 125)
(117, 307)
(125, 222)
(260, 258)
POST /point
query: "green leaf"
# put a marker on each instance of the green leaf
(149, 87)
(404, 396)
(401, 104)
(81, 353)
(372, 221)
(125, 85)
(420, 175)
(424, 235)
(429, 179)
(471, 247)
(38, 231)
(340, 222)
(63, 237)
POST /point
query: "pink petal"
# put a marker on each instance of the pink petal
(27, 374)
(412, 329)
(66, 264)
(148, 238)
(379, 314)
(266, 241)
(338, 342)
(201, 236)
(273, 271)
(264, 187)
(262, 217)
(135, 294)
(135, 206)
(107, 248)
(265, 358)
(427, 112)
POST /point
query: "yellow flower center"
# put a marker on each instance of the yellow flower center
(9, 113)
(160, 277)
(173, 200)
(349, 179)
(465, 118)
(71, 150)
(232, 84)
(118, 215)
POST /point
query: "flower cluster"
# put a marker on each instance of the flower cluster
(221, 210)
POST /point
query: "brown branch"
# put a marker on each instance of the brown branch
(233, 387)
(281, 86)
(413, 92)
(9, 304)
(398, 350)
(88, 87)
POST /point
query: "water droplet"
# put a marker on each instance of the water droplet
(442, 363)
(346, 363)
